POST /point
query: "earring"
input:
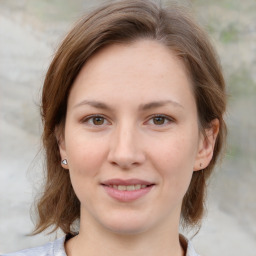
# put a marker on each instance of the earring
(201, 164)
(64, 161)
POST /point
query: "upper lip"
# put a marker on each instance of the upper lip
(126, 182)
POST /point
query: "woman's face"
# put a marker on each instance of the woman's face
(131, 137)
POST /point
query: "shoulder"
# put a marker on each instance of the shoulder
(55, 248)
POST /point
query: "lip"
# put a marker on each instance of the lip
(126, 195)
(126, 182)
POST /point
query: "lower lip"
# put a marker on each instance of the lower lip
(125, 195)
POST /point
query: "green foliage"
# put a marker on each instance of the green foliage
(230, 33)
(240, 82)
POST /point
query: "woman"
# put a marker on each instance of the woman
(132, 108)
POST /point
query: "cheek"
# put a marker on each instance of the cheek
(175, 160)
(176, 151)
(85, 157)
(85, 154)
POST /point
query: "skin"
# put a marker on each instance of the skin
(127, 141)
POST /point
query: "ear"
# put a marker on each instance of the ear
(206, 145)
(59, 133)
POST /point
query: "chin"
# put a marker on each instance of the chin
(127, 229)
(126, 226)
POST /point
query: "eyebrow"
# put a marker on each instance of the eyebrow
(156, 104)
(142, 107)
(95, 104)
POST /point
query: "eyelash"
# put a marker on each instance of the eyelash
(86, 120)
(166, 118)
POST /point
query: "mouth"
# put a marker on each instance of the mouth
(129, 187)
(127, 190)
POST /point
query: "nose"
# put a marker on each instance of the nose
(126, 150)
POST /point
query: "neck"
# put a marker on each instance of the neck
(125, 246)
(102, 242)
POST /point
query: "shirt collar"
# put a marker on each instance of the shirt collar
(187, 246)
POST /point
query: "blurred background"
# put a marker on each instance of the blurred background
(30, 32)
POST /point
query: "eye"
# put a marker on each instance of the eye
(160, 120)
(95, 120)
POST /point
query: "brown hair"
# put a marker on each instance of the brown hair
(124, 22)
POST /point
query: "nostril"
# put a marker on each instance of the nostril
(125, 154)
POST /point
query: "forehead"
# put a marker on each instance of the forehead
(150, 53)
(144, 69)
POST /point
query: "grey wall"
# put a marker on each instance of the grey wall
(29, 33)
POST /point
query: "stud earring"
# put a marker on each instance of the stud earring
(64, 161)
(201, 164)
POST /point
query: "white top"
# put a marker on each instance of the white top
(56, 248)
